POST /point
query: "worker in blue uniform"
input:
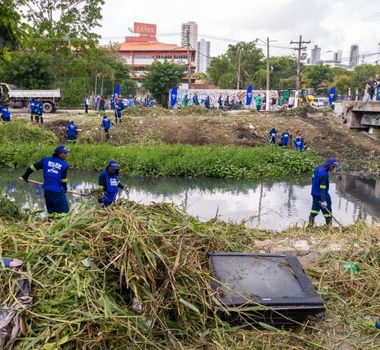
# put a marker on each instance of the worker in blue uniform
(285, 139)
(118, 109)
(272, 136)
(220, 102)
(5, 114)
(55, 181)
(320, 191)
(109, 184)
(195, 100)
(106, 124)
(32, 105)
(72, 132)
(298, 143)
(39, 111)
(112, 102)
(207, 102)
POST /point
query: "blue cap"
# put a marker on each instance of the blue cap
(113, 165)
(61, 149)
(332, 162)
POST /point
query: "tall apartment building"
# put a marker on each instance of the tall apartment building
(190, 29)
(203, 55)
(354, 55)
(315, 55)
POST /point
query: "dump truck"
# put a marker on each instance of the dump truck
(21, 98)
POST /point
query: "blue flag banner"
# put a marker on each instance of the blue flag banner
(248, 98)
(332, 94)
(116, 91)
(173, 97)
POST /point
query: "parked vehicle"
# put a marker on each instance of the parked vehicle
(321, 102)
(20, 98)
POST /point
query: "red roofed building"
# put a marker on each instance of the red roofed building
(141, 51)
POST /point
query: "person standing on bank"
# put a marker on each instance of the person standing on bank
(86, 104)
(320, 191)
(109, 184)
(55, 181)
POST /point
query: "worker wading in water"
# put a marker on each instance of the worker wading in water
(55, 181)
(320, 191)
(109, 184)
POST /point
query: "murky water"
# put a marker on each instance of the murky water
(269, 205)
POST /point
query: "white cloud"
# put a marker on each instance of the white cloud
(330, 24)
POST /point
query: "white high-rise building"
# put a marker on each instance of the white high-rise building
(203, 55)
(315, 55)
(354, 55)
(192, 29)
(189, 29)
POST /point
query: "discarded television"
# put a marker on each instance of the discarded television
(270, 288)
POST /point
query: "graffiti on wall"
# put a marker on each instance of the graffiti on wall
(230, 96)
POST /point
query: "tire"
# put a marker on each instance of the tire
(48, 107)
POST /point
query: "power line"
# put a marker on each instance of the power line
(300, 47)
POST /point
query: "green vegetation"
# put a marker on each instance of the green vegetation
(174, 160)
(20, 132)
(161, 77)
(86, 268)
(12, 31)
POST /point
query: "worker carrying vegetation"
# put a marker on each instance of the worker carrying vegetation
(320, 191)
(272, 136)
(118, 109)
(109, 183)
(298, 143)
(32, 105)
(71, 132)
(55, 181)
(285, 139)
(5, 114)
(106, 124)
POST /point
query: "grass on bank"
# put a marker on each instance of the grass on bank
(86, 268)
(174, 160)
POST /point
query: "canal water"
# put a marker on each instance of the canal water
(273, 205)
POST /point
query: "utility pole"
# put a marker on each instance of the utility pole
(238, 72)
(299, 48)
(268, 83)
(188, 57)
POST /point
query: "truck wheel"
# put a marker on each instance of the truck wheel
(48, 107)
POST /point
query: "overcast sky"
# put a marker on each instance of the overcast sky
(331, 24)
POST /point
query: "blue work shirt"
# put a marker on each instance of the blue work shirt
(320, 183)
(285, 138)
(106, 123)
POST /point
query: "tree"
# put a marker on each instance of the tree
(29, 70)
(200, 76)
(283, 70)
(62, 22)
(342, 84)
(161, 77)
(362, 74)
(318, 74)
(12, 31)
(223, 70)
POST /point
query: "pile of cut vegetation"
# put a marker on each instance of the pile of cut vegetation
(136, 277)
(20, 131)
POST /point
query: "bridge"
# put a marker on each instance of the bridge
(363, 115)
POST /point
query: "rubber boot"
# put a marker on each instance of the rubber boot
(311, 221)
(328, 221)
(31, 118)
(37, 119)
(42, 120)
